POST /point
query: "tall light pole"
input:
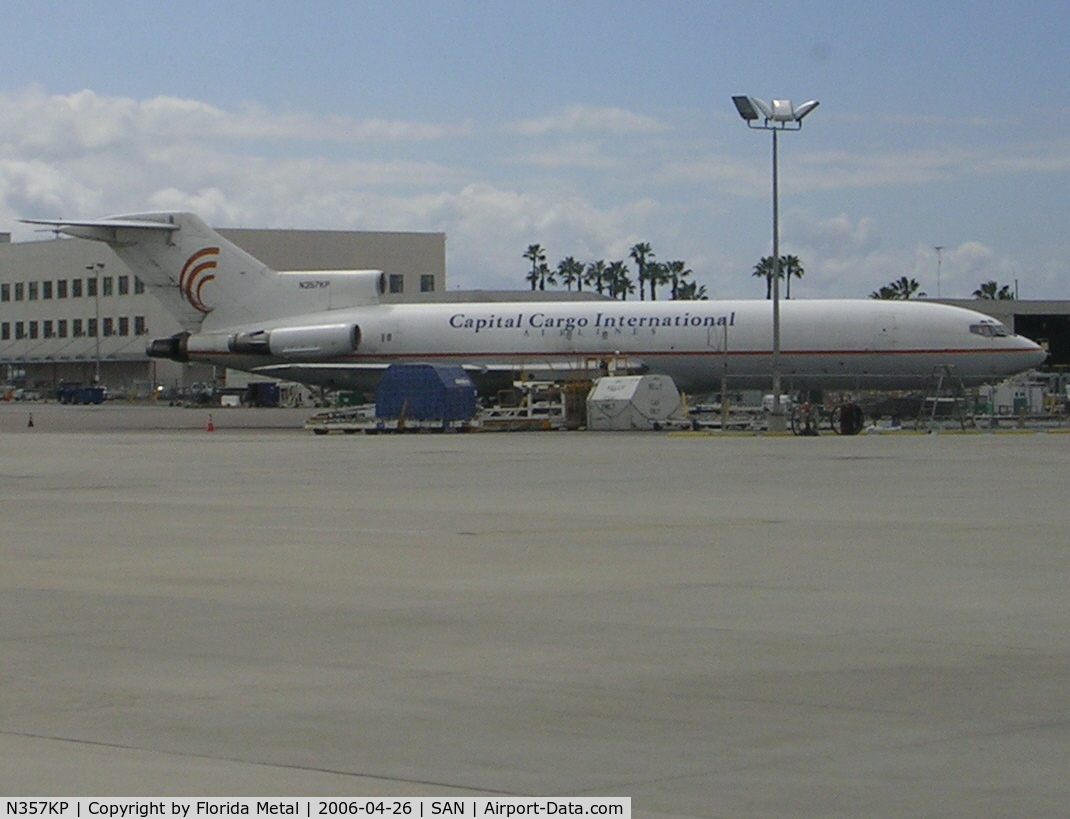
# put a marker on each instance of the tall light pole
(780, 116)
(96, 269)
(939, 258)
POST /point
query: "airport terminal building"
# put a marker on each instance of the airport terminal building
(72, 313)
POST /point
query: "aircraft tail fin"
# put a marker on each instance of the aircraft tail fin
(206, 281)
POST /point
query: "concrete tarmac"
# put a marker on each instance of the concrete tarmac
(716, 627)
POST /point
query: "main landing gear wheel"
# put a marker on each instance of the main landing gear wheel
(805, 419)
(848, 419)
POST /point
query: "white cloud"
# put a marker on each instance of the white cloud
(589, 118)
(589, 182)
(95, 155)
(833, 235)
(36, 188)
(488, 229)
(846, 257)
(35, 123)
(845, 169)
(583, 154)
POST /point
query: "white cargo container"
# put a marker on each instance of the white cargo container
(635, 402)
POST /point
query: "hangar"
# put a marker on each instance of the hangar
(72, 312)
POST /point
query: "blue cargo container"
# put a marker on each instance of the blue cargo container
(262, 394)
(426, 392)
(77, 394)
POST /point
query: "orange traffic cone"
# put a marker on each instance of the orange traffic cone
(210, 427)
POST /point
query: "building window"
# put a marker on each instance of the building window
(91, 287)
(5, 331)
(33, 329)
(32, 291)
(91, 327)
(109, 327)
(20, 291)
(5, 292)
(109, 284)
(139, 286)
(396, 283)
(47, 329)
(20, 330)
(61, 289)
(61, 328)
(124, 326)
(124, 285)
(427, 283)
(76, 328)
(76, 288)
(139, 326)
(46, 290)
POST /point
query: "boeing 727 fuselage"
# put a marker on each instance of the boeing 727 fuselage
(330, 327)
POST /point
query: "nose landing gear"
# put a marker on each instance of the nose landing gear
(844, 419)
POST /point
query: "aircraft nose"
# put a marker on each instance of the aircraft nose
(1033, 355)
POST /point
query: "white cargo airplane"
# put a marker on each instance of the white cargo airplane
(329, 328)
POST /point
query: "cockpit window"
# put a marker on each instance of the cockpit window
(990, 329)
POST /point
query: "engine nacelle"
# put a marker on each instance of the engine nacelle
(185, 346)
(318, 290)
(313, 343)
(172, 347)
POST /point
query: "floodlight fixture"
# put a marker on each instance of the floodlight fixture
(778, 114)
(746, 108)
(805, 109)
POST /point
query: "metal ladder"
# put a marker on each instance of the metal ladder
(944, 384)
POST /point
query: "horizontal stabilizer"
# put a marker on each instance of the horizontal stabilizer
(131, 224)
(102, 230)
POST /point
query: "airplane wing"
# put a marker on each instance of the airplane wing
(364, 375)
(338, 376)
(274, 369)
(550, 369)
(353, 376)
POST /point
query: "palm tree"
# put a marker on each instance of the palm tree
(992, 291)
(656, 273)
(764, 269)
(790, 266)
(691, 291)
(619, 282)
(537, 256)
(640, 252)
(595, 274)
(546, 276)
(899, 290)
(909, 288)
(677, 271)
(571, 272)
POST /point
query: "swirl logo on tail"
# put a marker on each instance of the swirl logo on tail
(196, 274)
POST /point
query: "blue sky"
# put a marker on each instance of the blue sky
(584, 126)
